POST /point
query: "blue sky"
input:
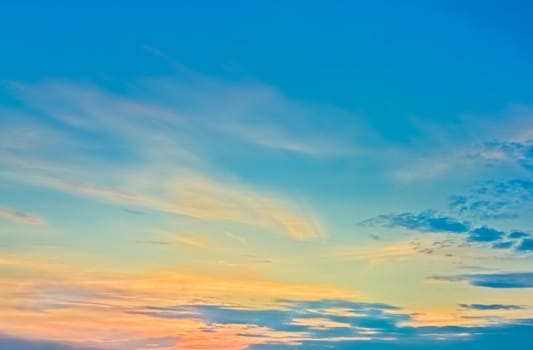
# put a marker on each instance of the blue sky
(266, 175)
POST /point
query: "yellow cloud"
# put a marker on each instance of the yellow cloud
(197, 196)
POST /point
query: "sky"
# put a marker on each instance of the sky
(266, 175)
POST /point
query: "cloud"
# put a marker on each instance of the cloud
(526, 245)
(184, 240)
(484, 307)
(340, 324)
(269, 137)
(197, 196)
(512, 336)
(19, 217)
(502, 245)
(374, 254)
(14, 343)
(318, 319)
(483, 208)
(53, 297)
(415, 168)
(181, 313)
(145, 153)
(205, 198)
(115, 318)
(495, 200)
(453, 149)
(518, 234)
(158, 343)
(426, 221)
(244, 112)
(430, 221)
(485, 234)
(329, 322)
(496, 280)
(519, 152)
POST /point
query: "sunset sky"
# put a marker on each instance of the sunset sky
(264, 175)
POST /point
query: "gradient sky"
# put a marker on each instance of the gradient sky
(266, 175)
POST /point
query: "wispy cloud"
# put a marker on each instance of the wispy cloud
(375, 254)
(469, 147)
(184, 240)
(20, 217)
(161, 147)
(246, 112)
(518, 152)
(196, 196)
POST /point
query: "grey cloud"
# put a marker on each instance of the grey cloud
(484, 307)
(429, 221)
(494, 200)
(496, 280)
(425, 221)
(382, 318)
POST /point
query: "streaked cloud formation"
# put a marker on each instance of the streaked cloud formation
(19, 217)
(160, 157)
